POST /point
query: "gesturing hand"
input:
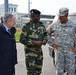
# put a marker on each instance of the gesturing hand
(55, 46)
(39, 43)
(74, 49)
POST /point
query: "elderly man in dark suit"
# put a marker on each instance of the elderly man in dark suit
(8, 52)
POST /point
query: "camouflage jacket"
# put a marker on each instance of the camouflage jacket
(31, 31)
(64, 34)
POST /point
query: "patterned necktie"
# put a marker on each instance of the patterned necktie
(9, 31)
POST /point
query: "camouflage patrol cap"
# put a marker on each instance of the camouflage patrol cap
(63, 11)
(35, 11)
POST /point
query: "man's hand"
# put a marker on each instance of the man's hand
(55, 46)
(44, 42)
(38, 43)
(74, 49)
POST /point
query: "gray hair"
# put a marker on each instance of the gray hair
(8, 16)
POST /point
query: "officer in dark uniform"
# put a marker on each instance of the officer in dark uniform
(1, 19)
(33, 36)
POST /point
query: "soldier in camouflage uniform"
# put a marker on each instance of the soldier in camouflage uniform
(33, 36)
(64, 33)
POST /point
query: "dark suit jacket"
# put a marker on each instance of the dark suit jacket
(8, 52)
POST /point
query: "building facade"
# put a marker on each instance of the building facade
(22, 18)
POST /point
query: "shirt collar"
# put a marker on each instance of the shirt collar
(6, 27)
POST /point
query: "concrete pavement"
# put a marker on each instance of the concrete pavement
(48, 67)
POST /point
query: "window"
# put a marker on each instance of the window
(14, 9)
(11, 9)
(19, 18)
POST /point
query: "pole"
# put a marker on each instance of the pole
(6, 5)
(28, 8)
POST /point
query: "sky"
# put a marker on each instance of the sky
(49, 7)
